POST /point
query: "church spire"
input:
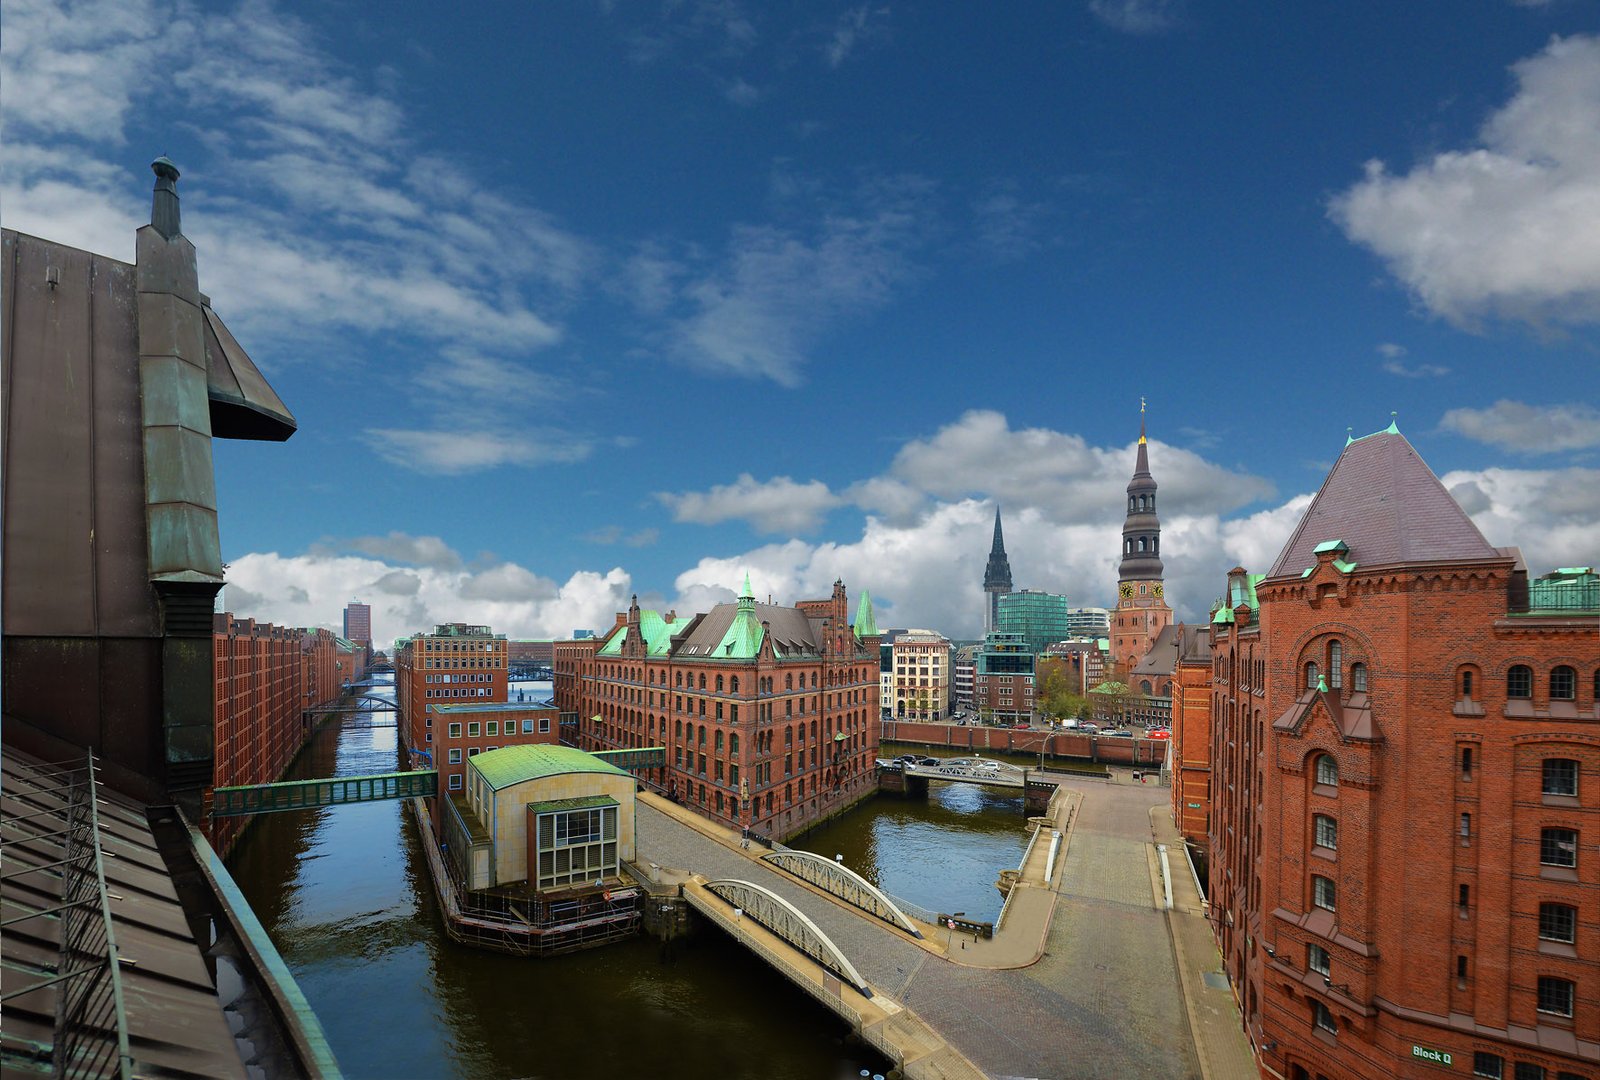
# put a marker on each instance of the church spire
(996, 577)
(1141, 531)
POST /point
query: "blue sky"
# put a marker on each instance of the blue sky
(575, 300)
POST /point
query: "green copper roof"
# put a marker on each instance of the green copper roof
(866, 620)
(1322, 685)
(513, 764)
(656, 631)
(745, 633)
(1330, 545)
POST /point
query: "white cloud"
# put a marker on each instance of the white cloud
(455, 451)
(1552, 515)
(777, 290)
(315, 215)
(1391, 350)
(429, 551)
(1415, 371)
(776, 505)
(1139, 16)
(1509, 228)
(1059, 471)
(311, 589)
(1529, 429)
(855, 27)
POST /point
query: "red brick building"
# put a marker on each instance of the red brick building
(1406, 783)
(259, 699)
(769, 715)
(457, 664)
(464, 731)
(1189, 753)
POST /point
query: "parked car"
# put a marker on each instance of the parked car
(1023, 724)
(1158, 733)
(1089, 727)
(929, 761)
(1118, 733)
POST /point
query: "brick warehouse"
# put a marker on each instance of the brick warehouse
(1405, 834)
(769, 714)
(451, 688)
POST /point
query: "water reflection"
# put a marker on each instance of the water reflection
(344, 894)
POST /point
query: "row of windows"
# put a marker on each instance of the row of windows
(1562, 682)
(492, 727)
(765, 685)
(1494, 1067)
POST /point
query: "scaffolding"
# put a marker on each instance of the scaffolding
(58, 846)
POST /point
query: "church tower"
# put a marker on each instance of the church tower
(1142, 610)
(996, 578)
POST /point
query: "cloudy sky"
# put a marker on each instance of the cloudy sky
(575, 300)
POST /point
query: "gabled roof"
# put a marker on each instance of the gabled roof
(1162, 657)
(1384, 502)
(791, 632)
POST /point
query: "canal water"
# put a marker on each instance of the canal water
(344, 894)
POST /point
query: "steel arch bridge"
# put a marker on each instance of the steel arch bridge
(843, 882)
(790, 923)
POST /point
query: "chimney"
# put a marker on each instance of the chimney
(164, 203)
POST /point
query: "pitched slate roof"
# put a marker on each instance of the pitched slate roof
(1384, 502)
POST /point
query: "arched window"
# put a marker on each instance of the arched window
(680, 679)
(1335, 664)
(1325, 832)
(1311, 674)
(788, 682)
(1466, 684)
(1563, 683)
(733, 744)
(718, 742)
(719, 684)
(1519, 681)
(1327, 770)
(733, 685)
(702, 680)
(1358, 678)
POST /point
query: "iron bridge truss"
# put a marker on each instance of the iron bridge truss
(789, 923)
(843, 882)
(307, 794)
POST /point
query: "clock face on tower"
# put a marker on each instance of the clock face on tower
(1157, 589)
(1126, 591)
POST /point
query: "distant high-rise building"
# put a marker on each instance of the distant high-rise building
(996, 578)
(1089, 622)
(358, 623)
(1142, 608)
(1040, 617)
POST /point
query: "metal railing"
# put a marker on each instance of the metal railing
(91, 1027)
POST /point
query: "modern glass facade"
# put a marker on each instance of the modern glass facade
(1040, 617)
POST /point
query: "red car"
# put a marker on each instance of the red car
(1158, 733)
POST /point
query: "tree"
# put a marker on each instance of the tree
(1055, 693)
